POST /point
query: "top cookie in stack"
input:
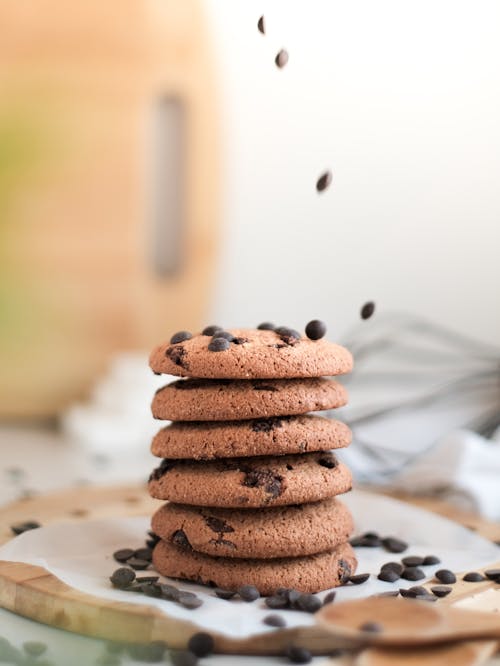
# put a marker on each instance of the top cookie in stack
(247, 470)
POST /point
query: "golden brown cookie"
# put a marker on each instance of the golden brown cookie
(252, 353)
(251, 482)
(289, 531)
(226, 400)
(308, 574)
(274, 436)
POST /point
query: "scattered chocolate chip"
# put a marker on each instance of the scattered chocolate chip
(224, 594)
(201, 644)
(261, 25)
(123, 555)
(393, 566)
(189, 602)
(298, 655)
(122, 577)
(412, 561)
(446, 576)
(34, 648)
(309, 603)
(293, 596)
(151, 590)
(183, 658)
(219, 344)
(389, 593)
(180, 539)
(430, 560)
(367, 310)
(371, 627)
(316, 329)
(274, 621)
(417, 590)
(329, 598)
(19, 528)
(389, 575)
(441, 590)
(211, 330)
(394, 545)
(224, 334)
(276, 601)
(181, 336)
(345, 571)
(367, 540)
(359, 578)
(492, 574)
(138, 564)
(473, 577)
(412, 573)
(266, 326)
(324, 181)
(329, 461)
(248, 592)
(169, 592)
(281, 58)
(144, 554)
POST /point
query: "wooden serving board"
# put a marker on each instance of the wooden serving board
(33, 592)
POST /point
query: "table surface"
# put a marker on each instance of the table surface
(37, 461)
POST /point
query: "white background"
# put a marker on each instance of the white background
(401, 100)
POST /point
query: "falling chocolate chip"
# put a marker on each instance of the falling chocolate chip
(181, 336)
(446, 576)
(274, 620)
(122, 577)
(324, 181)
(316, 329)
(219, 345)
(248, 592)
(281, 58)
(367, 310)
(266, 326)
(473, 577)
(211, 330)
(261, 25)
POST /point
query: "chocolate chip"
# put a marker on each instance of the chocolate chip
(161, 470)
(138, 564)
(147, 579)
(324, 181)
(123, 555)
(248, 592)
(256, 478)
(180, 336)
(151, 590)
(276, 601)
(189, 602)
(211, 330)
(224, 594)
(359, 578)
(176, 354)
(218, 525)
(389, 593)
(441, 590)
(288, 335)
(122, 577)
(266, 326)
(274, 621)
(34, 648)
(344, 571)
(239, 341)
(261, 25)
(367, 540)
(417, 591)
(371, 627)
(224, 334)
(266, 425)
(367, 310)
(169, 592)
(397, 567)
(473, 577)
(316, 329)
(446, 576)
(144, 554)
(329, 461)
(298, 655)
(293, 596)
(219, 344)
(201, 644)
(388, 575)
(183, 658)
(412, 561)
(19, 528)
(309, 603)
(430, 559)
(394, 545)
(492, 574)
(412, 573)
(180, 539)
(329, 598)
(281, 58)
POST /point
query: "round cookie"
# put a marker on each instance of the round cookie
(253, 354)
(251, 482)
(226, 400)
(273, 436)
(308, 574)
(289, 531)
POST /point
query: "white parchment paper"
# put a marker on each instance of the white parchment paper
(80, 554)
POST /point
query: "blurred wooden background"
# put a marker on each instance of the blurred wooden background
(87, 264)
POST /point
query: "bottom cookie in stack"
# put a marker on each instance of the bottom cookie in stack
(304, 545)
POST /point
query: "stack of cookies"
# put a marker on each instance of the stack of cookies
(248, 472)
